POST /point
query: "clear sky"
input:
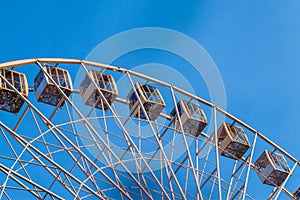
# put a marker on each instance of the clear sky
(255, 45)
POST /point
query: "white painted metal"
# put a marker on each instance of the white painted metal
(83, 176)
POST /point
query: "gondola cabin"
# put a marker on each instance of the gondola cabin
(90, 94)
(10, 101)
(233, 141)
(47, 92)
(192, 117)
(151, 100)
(272, 168)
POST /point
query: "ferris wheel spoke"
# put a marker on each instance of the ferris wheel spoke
(231, 179)
(6, 195)
(16, 158)
(278, 190)
(169, 181)
(14, 176)
(249, 166)
(21, 118)
(217, 153)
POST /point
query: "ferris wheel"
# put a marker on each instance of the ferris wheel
(62, 139)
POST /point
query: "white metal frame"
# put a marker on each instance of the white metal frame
(175, 178)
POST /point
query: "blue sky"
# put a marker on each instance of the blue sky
(255, 45)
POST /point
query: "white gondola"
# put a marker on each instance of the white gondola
(192, 117)
(90, 94)
(233, 141)
(47, 92)
(272, 168)
(10, 101)
(150, 98)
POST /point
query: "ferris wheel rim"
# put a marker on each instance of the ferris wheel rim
(24, 62)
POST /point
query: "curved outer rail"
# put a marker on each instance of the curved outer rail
(123, 70)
